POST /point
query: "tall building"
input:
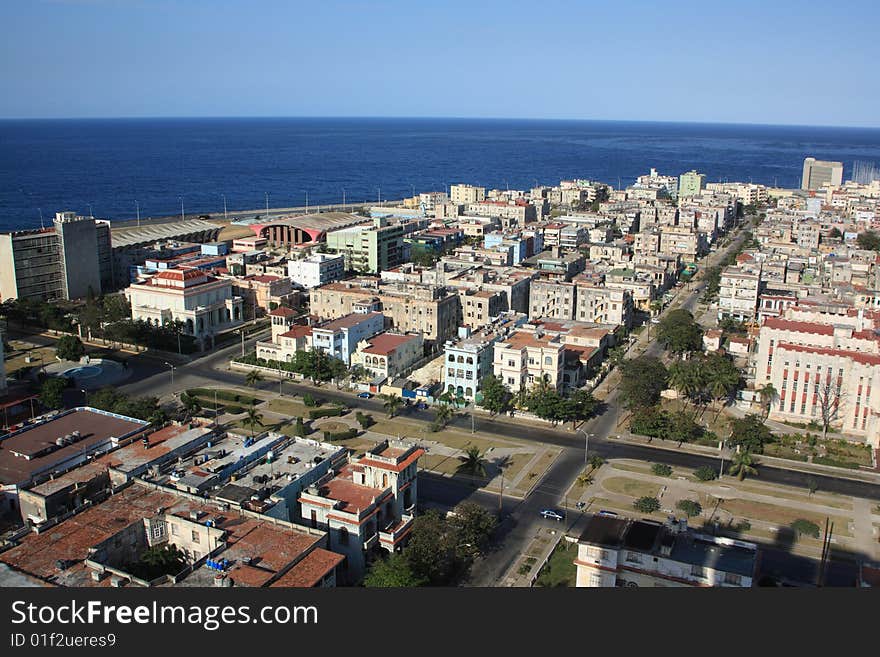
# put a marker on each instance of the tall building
(466, 194)
(691, 183)
(61, 262)
(316, 269)
(369, 249)
(821, 173)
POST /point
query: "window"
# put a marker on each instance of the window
(548, 360)
(195, 536)
(733, 579)
(343, 536)
(634, 557)
(174, 530)
(697, 571)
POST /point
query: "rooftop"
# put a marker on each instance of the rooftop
(347, 321)
(385, 343)
(34, 449)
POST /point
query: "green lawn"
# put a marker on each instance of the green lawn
(222, 395)
(631, 487)
(560, 569)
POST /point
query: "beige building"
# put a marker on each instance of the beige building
(821, 173)
(466, 194)
(389, 355)
(412, 307)
(738, 293)
(528, 357)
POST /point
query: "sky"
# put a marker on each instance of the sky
(767, 61)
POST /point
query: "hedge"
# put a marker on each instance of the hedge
(327, 412)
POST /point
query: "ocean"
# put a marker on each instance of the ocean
(108, 166)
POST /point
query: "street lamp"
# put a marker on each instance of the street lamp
(225, 215)
(172, 372)
(307, 199)
(182, 215)
(586, 444)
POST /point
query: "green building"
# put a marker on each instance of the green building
(369, 249)
(691, 183)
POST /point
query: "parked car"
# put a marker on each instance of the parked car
(603, 512)
(553, 514)
(421, 405)
(365, 395)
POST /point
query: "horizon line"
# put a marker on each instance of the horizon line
(434, 118)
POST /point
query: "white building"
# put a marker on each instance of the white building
(316, 269)
(616, 551)
(339, 337)
(206, 305)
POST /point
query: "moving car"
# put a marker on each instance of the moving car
(553, 514)
(365, 395)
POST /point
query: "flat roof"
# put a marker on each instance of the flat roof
(95, 427)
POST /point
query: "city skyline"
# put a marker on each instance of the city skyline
(226, 60)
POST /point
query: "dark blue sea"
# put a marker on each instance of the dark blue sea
(51, 165)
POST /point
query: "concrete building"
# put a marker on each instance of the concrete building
(411, 307)
(389, 355)
(316, 269)
(821, 173)
(691, 183)
(526, 357)
(369, 249)
(339, 337)
(829, 367)
(204, 304)
(466, 194)
(62, 262)
(738, 293)
(366, 505)
(618, 552)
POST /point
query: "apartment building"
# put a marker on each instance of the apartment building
(339, 337)
(66, 261)
(204, 304)
(738, 293)
(366, 504)
(604, 305)
(316, 269)
(556, 299)
(388, 355)
(619, 552)
(516, 213)
(462, 194)
(527, 357)
(411, 307)
(691, 183)
(369, 249)
(683, 241)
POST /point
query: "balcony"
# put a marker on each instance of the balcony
(371, 541)
(394, 532)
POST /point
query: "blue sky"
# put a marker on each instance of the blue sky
(772, 61)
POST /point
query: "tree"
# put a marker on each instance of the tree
(69, 347)
(661, 470)
(828, 395)
(391, 404)
(647, 504)
(743, 465)
(722, 378)
(690, 508)
(52, 392)
(680, 333)
(309, 400)
(473, 462)
(444, 415)
(392, 572)
(641, 381)
(358, 372)
(496, 397)
(768, 395)
(705, 473)
(806, 528)
(190, 403)
(253, 419)
(580, 406)
(584, 479)
(253, 378)
(431, 551)
(750, 434)
(596, 462)
(688, 378)
(472, 526)
(650, 421)
(835, 233)
(299, 428)
(869, 240)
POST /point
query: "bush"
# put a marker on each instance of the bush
(365, 421)
(69, 347)
(705, 473)
(310, 401)
(342, 435)
(647, 504)
(805, 528)
(327, 412)
(690, 508)
(299, 428)
(661, 470)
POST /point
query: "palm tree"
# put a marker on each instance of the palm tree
(720, 384)
(768, 394)
(391, 404)
(686, 378)
(254, 418)
(190, 403)
(446, 399)
(584, 479)
(473, 462)
(743, 464)
(253, 378)
(596, 461)
(444, 414)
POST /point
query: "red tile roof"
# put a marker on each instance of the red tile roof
(857, 356)
(384, 343)
(310, 570)
(281, 311)
(798, 327)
